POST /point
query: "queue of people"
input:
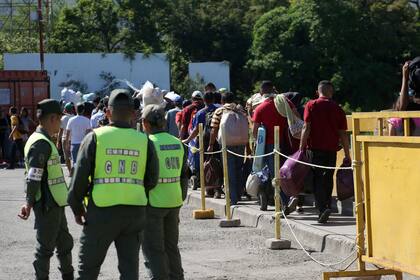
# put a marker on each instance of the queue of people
(269, 109)
(130, 192)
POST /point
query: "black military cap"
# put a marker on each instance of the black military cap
(47, 107)
(121, 98)
(154, 114)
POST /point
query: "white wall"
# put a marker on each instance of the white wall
(86, 67)
(215, 72)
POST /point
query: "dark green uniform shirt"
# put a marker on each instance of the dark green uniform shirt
(38, 156)
(85, 167)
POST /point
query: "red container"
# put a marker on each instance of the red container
(23, 89)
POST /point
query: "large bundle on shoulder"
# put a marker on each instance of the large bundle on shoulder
(293, 120)
(235, 124)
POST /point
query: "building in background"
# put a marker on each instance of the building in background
(215, 72)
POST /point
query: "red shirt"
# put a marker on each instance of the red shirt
(187, 116)
(178, 117)
(326, 119)
(267, 115)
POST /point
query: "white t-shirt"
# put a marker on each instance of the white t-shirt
(78, 127)
(64, 121)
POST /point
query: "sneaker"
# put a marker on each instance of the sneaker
(285, 211)
(299, 209)
(323, 218)
(248, 197)
(194, 182)
(291, 207)
(217, 194)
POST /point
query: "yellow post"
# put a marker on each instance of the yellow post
(226, 174)
(203, 213)
(358, 194)
(380, 127)
(406, 127)
(277, 243)
(277, 199)
(228, 222)
(202, 183)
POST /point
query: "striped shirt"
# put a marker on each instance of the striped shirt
(217, 116)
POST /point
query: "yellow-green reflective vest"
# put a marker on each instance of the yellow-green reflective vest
(56, 181)
(120, 163)
(167, 193)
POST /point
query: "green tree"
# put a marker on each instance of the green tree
(18, 42)
(127, 26)
(357, 44)
(187, 30)
(90, 26)
(218, 30)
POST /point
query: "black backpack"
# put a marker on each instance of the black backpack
(414, 75)
(207, 126)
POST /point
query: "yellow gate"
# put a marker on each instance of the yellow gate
(387, 193)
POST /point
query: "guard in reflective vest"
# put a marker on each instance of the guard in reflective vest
(46, 193)
(123, 166)
(160, 245)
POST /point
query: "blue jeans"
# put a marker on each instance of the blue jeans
(269, 161)
(235, 172)
(74, 149)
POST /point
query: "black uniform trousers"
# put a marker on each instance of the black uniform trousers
(52, 233)
(323, 179)
(122, 225)
(160, 245)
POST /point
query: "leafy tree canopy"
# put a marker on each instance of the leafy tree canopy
(359, 45)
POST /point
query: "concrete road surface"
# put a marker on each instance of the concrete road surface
(208, 252)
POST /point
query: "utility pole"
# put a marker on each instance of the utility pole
(41, 36)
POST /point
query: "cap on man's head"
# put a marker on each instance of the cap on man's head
(47, 107)
(154, 114)
(186, 103)
(69, 107)
(197, 94)
(121, 98)
(178, 99)
(223, 90)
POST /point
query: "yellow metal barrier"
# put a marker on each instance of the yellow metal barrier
(367, 125)
(386, 194)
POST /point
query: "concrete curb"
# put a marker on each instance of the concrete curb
(311, 238)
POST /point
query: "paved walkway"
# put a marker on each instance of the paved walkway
(337, 237)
